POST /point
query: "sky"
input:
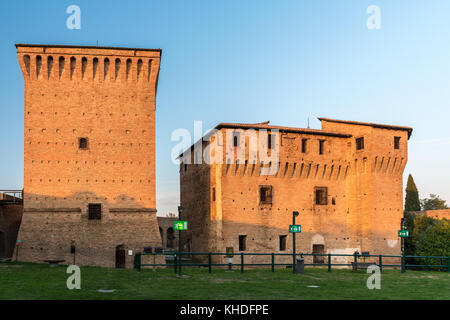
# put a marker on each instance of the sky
(252, 61)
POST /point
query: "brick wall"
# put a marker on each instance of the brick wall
(106, 95)
(365, 198)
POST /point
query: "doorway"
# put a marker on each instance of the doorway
(319, 248)
(120, 256)
(170, 238)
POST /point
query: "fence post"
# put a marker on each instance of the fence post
(175, 259)
(448, 264)
(209, 263)
(427, 262)
(273, 262)
(242, 262)
(380, 259)
(329, 262)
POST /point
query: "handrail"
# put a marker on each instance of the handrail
(11, 196)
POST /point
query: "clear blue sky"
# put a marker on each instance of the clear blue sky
(251, 61)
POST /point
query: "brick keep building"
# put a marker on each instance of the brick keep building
(89, 158)
(345, 180)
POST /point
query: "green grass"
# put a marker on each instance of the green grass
(38, 281)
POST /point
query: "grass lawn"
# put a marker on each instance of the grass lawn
(38, 281)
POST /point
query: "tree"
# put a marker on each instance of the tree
(433, 240)
(412, 202)
(433, 203)
(171, 215)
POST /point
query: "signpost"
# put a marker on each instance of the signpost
(403, 233)
(180, 225)
(297, 229)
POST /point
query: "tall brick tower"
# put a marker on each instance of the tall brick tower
(89, 153)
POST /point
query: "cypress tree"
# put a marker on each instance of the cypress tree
(412, 202)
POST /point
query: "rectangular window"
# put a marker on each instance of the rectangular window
(82, 143)
(270, 141)
(396, 142)
(236, 137)
(321, 143)
(304, 142)
(283, 243)
(360, 143)
(321, 195)
(95, 211)
(242, 243)
(265, 194)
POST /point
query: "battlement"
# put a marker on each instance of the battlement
(87, 63)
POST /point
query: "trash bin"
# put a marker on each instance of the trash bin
(300, 265)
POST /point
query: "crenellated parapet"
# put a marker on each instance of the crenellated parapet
(89, 64)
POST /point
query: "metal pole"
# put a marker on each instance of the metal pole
(293, 244)
(209, 262)
(329, 262)
(403, 246)
(179, 244)
(273, 262)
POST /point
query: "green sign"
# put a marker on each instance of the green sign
(180, 225)
(403, 233)
(295, 228)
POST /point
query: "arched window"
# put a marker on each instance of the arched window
(128, 67)
(49, 66)
(72, 66)
(94, 67)
(139, 68)
(117, 67)
(26, 61)
(61, 66)
(83, 66)
(106, 67)
(38, 65)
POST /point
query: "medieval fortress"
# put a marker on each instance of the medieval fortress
(89, 170)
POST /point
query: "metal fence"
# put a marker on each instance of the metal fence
(175, 260)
